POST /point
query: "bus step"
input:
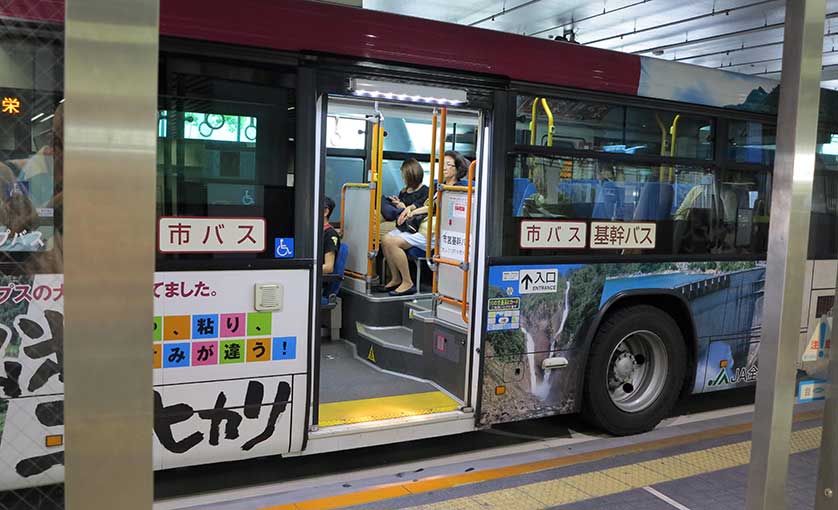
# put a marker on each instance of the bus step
(390, 348)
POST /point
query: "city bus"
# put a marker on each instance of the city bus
(599, 249)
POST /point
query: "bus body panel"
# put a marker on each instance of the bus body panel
(525, 326)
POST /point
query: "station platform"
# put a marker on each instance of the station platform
(688, 463)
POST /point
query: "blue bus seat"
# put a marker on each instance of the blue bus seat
(334, 280)
(415, 253)
(654, 202)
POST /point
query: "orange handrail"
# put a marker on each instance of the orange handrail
(462, 303)
(435, 209)
(379, 188)
(343, 199)
(343, 189)
(373, 178)
(431, 186)
(469, 194)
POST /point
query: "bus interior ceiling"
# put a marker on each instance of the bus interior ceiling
(382, 356)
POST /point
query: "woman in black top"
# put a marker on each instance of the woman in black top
(413, 195)
(414, 191)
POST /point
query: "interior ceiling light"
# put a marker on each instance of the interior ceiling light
(407, 92)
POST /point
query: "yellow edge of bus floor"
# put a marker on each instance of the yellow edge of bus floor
(384, 408)
(804, 438)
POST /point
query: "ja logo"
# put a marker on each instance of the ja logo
(284, 248)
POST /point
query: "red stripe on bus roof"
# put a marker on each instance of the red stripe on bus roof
(299, 25)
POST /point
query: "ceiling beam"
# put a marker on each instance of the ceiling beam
(765, 61)
(714, 12)
(573, 21)
(504, 11)
(726, 35)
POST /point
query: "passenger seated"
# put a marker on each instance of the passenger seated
(412, 229)
(331, 239)
(414, 193)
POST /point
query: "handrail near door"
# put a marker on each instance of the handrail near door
(464, 265)
(376, 205)
(343, 189)
(374, 187)
(431, 186)
(534, 122)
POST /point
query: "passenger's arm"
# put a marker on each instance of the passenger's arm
(329, 262)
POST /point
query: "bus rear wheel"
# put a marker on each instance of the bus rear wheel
(635, 370)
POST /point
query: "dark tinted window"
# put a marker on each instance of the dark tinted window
(590, 125)
(226, 150)
(751, 142)
(696, 210)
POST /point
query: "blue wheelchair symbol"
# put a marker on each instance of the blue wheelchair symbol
(284, 247)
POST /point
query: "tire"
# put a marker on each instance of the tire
(635, 371)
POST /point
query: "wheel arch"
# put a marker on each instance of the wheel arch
(666, 300)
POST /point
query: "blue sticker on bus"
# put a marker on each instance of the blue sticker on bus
(284, 248)
(176, 355)
(284, 347)
(809, 391)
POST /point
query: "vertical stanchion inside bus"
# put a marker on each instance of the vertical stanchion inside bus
(788, 236)
(431, 187)
(437, 201)
(372, 187)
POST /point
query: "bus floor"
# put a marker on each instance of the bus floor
(353, 390)
(696, 460)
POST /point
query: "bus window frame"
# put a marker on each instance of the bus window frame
(504, 240)
(224, 62)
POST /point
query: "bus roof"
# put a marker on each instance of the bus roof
(305, 26)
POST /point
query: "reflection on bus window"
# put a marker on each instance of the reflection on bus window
(219, 127)
(227, 161)
(751, 142)
(589, 125)
(697, 210)
(30, 172)
(823, 222)
(345, 132)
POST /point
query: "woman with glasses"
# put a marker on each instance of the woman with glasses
(412, 229)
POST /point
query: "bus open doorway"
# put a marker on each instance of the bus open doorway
(387, 354)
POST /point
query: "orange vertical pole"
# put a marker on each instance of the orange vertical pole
(469, 194)
(431, 187)
(379, 179)
(436, 210)
(373, 178)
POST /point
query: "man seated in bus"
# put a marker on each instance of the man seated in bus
(412, 229)
(331, 239)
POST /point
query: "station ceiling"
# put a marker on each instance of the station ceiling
(744, 36)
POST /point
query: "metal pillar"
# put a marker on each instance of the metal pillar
(110, 137)
(789, 230)
(826, 496)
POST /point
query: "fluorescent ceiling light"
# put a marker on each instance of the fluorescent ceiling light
(407, 92)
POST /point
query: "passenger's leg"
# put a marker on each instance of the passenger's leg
(389, 245)
(399, 259)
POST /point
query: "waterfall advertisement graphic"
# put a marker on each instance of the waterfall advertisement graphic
(526, 327)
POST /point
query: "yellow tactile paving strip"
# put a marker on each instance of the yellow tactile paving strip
(560, 490)
(384, 408)
(620, 479)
